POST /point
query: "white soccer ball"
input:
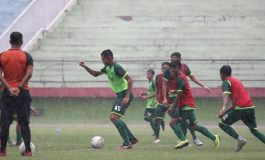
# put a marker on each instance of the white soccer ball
(22, 148)
(97, 142)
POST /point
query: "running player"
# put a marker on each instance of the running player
(242, 108)
(160, 108)
(186, 104)
(121, 84)
(176, 123)
(149, 97)
(168, 87)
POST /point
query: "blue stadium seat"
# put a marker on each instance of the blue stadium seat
(9, 10)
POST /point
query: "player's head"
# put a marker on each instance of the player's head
(175, 67)
(176, 56)
(150, 74)
(225, 71)
(16, 39)
(164, 66)
(107, 57)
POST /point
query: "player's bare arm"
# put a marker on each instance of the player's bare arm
(129, 90)
(89, 70)
(3, 80)
(151, 96)
(157, 91)
(164, 91)
(145, 97)
(176, 100)
(33, 110)
(224, 108)
(25, 80)
(198, 82)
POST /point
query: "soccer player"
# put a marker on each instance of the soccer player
(168, 87)
(186, 104)
(242, 108)
(16, 68)
(149, 97)
(121, 84)
(160, 108)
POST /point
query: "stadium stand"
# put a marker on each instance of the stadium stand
(142, 34)
(9, 10)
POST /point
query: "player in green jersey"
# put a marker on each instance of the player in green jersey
(149, 97)
(121, 84)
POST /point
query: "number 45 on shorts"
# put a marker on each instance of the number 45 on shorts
(117, 108)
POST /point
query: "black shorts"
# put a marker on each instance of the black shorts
(160, 111)
(149, 112)
(174, 114)
(11, 105)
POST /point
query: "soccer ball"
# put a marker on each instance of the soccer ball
(97, 142)
(22, 148)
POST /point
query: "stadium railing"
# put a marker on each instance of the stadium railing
(36, 18)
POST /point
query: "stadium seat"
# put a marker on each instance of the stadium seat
(9, 10)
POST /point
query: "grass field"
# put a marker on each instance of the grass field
(81, 119)
(96, 111)
(73, 144)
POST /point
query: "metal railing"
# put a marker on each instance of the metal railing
(255, 67)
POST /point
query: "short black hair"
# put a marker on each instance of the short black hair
(177, 54)
(226, 70)
(175, 64)
(151, 71)
(16, 38)
(107, 53)
(165, 63)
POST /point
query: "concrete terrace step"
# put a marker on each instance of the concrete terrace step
(175, 41)
(122, 54)
(186, 7)
(158, 35)
(221, 21)
(123, 50)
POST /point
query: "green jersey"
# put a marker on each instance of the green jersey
(150, 92)
(116, 78)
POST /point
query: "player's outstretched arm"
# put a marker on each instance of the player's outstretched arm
(90, 71)
(198, 82)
